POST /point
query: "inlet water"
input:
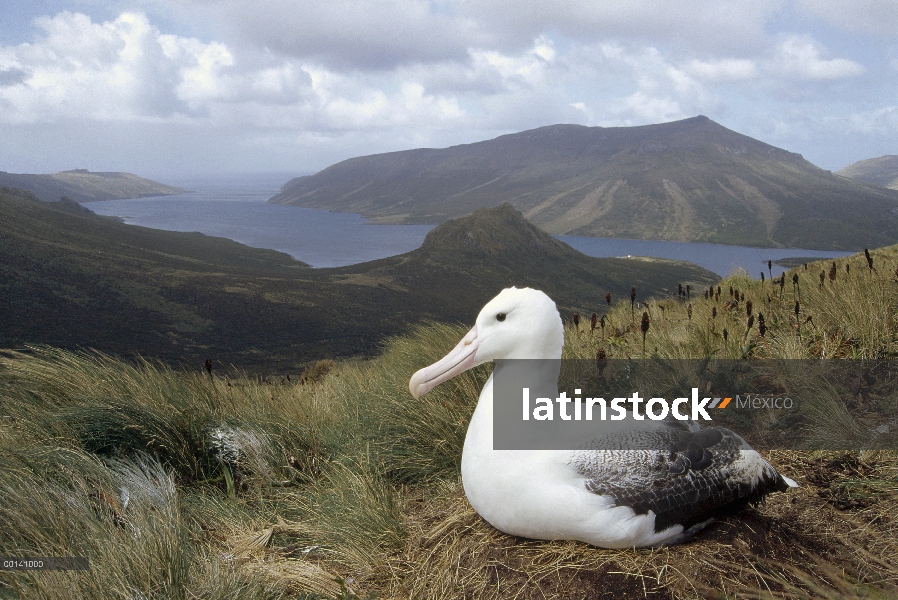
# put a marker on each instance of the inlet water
(236, 208)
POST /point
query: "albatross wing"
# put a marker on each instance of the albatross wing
(684, 475)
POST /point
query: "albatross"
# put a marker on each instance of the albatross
(661, 494)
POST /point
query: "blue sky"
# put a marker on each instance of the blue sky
(164, 88)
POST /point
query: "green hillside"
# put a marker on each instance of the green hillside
(81, 185)
(72, 279)
(690, 180)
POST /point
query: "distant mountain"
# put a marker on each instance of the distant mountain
(81, 185)
(73, 279)
(882, 171)
(690, 180)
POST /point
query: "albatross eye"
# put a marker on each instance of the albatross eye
(500, 317)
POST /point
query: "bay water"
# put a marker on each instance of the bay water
(236, 208)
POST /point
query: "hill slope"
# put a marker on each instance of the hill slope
(690, 180)
(81, 185)
(882, 171)
(465, 262)
(78, 280)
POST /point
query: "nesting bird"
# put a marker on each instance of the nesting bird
(663, 493)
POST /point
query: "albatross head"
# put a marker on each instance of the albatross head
(518, 323)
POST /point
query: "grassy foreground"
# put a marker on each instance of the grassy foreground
(181, 485)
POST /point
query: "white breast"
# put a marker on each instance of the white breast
(538, 494)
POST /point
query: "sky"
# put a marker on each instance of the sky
(171, 89)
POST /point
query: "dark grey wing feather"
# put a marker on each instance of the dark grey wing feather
(683, 474)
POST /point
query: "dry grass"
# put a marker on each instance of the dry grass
(341, 486)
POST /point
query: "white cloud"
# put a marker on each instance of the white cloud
(724, 69)
(126, 69)
(528, 68)
(650, 109)
(800, 56)
(201, 70)
(116, 70)
(881, 121)
(640, 85)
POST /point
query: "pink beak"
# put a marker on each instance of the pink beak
(460, 359)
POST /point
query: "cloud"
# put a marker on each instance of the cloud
(639, 85)
(119, 69)
(13, 76)
(529, 68)
(871, 17)
(126, 69)
(709, 24)
(881, 121)
(723, 69)
(800, 56)
(326, 80)
(343, 34)
(387, 34)
(341, 65)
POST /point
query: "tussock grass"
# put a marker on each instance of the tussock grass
(125, 516)
(411, 441)
(121, 463)
(180, 485)
(354, 514)
(197, 426)
(852, 316)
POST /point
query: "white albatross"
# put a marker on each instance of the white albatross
(611, 499)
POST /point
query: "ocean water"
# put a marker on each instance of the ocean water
(236, 208)
(720, 258)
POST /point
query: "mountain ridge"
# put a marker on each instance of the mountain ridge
(688, 180)
(81, 185)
